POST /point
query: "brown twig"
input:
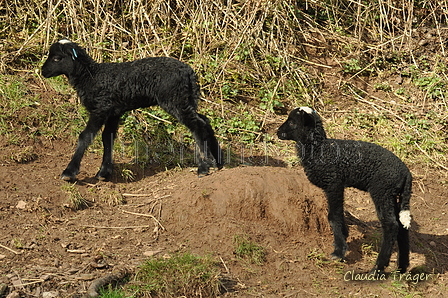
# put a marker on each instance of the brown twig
(125, 227)
(11, 250)
(146, 215)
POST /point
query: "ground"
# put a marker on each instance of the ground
(49, 247)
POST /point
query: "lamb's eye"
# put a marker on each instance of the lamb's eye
(56, 59)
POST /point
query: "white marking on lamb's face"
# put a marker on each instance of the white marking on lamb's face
(64, 41)
(405, 218)
(307, 110)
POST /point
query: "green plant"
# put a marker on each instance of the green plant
(434, 86)
(75, 199)
(352, 66)
(402, 92)
(270, 100)
(127, 174)
(153, 136)
(112, 293)
(383, 86)
(240, 127)
(17, 243)
(319, 258)
(320, 261)
(26, 116)
(248, 250)
(368, 250)
(180, 274)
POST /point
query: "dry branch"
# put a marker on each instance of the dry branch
(146, 215)
(11, 250)
(125, 227)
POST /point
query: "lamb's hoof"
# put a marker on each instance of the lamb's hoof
(200, 175)
(203, 170)
(102, 176)
(219, 166)
(104, 173)
(336, 257)
(375, 271)
(68, 176)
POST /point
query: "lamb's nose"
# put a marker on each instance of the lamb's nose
(281, 135)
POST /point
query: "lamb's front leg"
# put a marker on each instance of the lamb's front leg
(336, 218)
(85, 138)
(109, 134)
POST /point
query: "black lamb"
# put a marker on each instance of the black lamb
(108, 90)
(334, 164)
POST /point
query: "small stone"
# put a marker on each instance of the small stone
(151, 253)
(21, 205)
(72, 271)
(433, 244)
(85, 276)
(13, 295)
(423, 42)
(50, 294)
(16, 282)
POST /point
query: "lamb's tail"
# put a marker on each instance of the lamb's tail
(405, 214)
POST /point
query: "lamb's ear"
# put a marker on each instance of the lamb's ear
(73, 53)
(309, 120)
(69, 49)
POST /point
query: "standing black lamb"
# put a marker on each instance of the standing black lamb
(335, 164)
(108, 90)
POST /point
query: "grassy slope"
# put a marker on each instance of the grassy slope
(368, 82)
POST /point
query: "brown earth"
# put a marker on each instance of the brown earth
(48, 247)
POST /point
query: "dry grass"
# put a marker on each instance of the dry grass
(255, 56)
(239, 35)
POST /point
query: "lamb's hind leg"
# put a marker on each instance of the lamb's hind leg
(204, 137)
(336, 219)
(389, 223)
(403, 248)
(213, 144)
(109, 134)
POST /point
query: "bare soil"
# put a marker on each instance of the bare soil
(48, 247)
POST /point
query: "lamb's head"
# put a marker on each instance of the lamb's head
(303, 125)
(61, 58)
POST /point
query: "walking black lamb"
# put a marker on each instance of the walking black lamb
(108, 90)
(335, 164)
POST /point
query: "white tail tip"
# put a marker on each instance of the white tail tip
(405, 218)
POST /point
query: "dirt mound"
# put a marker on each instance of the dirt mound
(280, 198)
